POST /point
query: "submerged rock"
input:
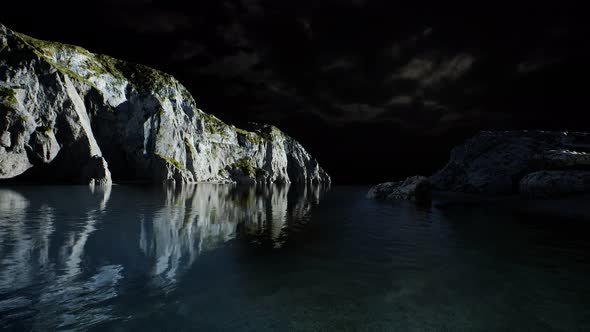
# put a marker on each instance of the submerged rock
(415, 188)
(65, 113)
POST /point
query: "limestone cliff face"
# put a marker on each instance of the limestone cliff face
(70, 115)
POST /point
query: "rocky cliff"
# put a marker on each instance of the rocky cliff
(70, 115)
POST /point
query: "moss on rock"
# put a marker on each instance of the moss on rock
(252, 137)
(8, 96)
(8, 102)
(49, 48)
(212, 124)
(245, 165)
(269, 132)
(171, 160)
(142, 78)
(190, 146)
(45, 129)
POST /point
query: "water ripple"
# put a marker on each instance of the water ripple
(222, 257)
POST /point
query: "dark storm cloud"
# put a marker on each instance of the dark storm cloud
(408, 43)
(252, 7)
(432, 70)
(353, 61)
(156, 21)
(231, 66)
(128, 2)
(354, 112)
(187, 50)
(401, 100)
(417, 69)
(251, 67)
(235, 35)
(448, 120)
(338, 64)
(411, 112)
(356, 3)
(536, 64)
(435, 105)
(451, 68)
(420, 108)
(305, 24)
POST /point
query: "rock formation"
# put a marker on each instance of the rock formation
(70, 115)
(531, 163)
(415, 188)
(555, 183)
(507, 162)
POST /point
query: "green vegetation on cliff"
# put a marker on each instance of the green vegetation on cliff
(171, 160)
(245, 165)
(7, 99)
(142, 78)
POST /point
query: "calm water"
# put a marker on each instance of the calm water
(223, 258)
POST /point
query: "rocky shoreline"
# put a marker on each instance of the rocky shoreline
(531, 171)
(70, 116)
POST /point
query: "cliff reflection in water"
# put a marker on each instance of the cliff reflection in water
(202, 217)
(64, 251)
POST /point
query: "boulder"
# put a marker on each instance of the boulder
(43, 146)
(415, 188)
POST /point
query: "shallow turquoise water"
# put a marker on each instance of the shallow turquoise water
(225, 258)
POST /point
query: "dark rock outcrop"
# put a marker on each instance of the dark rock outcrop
(530, 163)
(96, 172)
(562, 159)
(555, 183)
(415, 188)
(67, 114)
(496, 162)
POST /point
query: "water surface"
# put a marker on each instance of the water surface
(224, 258)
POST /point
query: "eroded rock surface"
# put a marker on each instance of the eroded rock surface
(66, 113)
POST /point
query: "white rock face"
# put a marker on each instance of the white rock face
(64, 110)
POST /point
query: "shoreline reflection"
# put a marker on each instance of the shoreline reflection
(66, 252)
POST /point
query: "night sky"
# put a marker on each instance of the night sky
(375, 90)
